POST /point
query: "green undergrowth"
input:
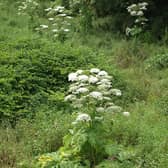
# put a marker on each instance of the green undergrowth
(33, 81)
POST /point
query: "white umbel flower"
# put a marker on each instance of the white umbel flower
(50, 19)
(83, 117)
(48, 9)
(93, 79)
(79, 72)
(83, 78)
(100, 109)
(66, 30)
(62, 14)
(82, 90)
(133, 13)
(44, 26)
(96, 95)
(102, 73)
(73, 88)
(72, 77)
(127, 114)
(116, 92)
(70, 98)
(95, 70)
(55, 30)
(140, 13)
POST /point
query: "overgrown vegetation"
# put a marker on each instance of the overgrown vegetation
(76, 92)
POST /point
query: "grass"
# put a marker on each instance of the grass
(145, 132)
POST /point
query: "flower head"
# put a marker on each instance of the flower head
(93, 79)
(96, 95)
(72, 77)
(83, 117)
(116, 92)
(95, 70)
(82, 90)
(127, 114)
(70, 98)
(102, 73)
(83, 78)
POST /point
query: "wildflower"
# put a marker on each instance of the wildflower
(116, 92)
(77, 103)
(96, 95)
(93, 79)
(44, 26)
(83, 78)
(68, 17)
(140, 13)
(79, 72)
(102, 73)
(133, 13)
(105, 81)
(106, 98)
(104, 86)
(70, 98)
(37, 29)
(128, 31)
(73, 88)
(127, 114)
(48, 9)
(66, 30)
(100, 109)
(83, 117)
(50, 19)
(95, 70)
(82, 90)
(55, 30)
(133, 6)
(62, 14)
(72, 77)
(143, 8)
(137, 21)
(109, 104)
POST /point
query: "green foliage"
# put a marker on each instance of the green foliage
(43, 134)
(32, 69)
(163, 104)
(33, 82)
(159, 61)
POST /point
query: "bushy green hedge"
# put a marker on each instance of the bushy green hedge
(32, 70)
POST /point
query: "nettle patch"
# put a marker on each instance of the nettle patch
(90, 94)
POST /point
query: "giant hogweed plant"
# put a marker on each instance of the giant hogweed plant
(137, 11)
(91, 95)
(28, 8)
(59, 22)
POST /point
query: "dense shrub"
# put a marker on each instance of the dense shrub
(31, 70)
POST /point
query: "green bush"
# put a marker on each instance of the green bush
(32, 70)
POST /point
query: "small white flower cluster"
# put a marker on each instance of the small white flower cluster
(137, 11)
(59, 22)
(27, 6)
(82, 117)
